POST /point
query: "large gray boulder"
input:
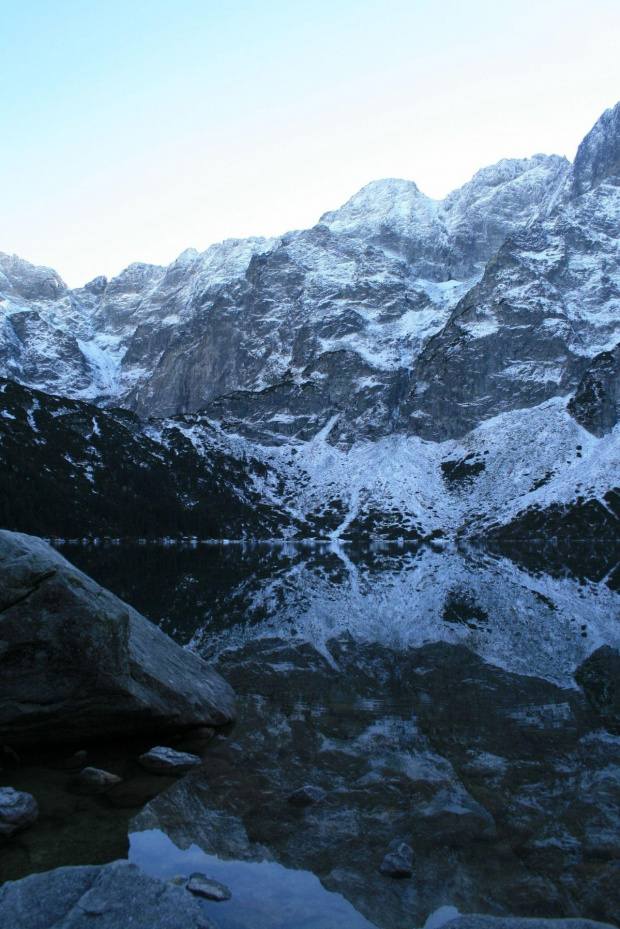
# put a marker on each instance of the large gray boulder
(76, 662)
(113, 896)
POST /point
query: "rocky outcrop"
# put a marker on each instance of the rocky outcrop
(450, 239)
(113, 896)
(596, 403)
(77, 663)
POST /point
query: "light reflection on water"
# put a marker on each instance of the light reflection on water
(265, 895)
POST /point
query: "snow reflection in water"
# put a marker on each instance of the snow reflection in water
(431, 694)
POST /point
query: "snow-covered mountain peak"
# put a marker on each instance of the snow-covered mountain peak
(32, 282)
(455, 237)
(391, 202)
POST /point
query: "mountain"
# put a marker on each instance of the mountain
(408, 367)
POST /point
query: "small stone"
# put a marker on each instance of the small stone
(17, 810)
(162, 760)
(204, 886)
(93, 781)
(307, 795)
(179, 880)
(398, 862)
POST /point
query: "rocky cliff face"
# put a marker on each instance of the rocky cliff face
(374, 279)
(396, 319)
(548, 302)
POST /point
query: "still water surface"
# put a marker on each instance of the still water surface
(431, 694)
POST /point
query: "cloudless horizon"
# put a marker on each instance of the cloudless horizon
(134, 130)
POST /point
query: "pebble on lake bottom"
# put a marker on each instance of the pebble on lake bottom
(398, 862)
(207, 887)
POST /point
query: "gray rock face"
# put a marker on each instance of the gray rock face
(598, 156)
(596, 403)
(375, 280)
(17, 810)
(76, 662)
(112, 897)
(547, 303)
(450, 239)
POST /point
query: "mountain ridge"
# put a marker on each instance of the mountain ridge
(354, 340)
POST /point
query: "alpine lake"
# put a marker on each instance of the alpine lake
(462, 701)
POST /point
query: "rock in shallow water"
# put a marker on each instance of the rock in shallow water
(162, 760)
(114, 896)
(207, 887)
(93, 781)
(78, 663)
(17, 810)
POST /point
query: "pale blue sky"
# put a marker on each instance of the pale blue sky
(135, 129)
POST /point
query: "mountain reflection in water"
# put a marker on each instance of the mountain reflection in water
(435, 697)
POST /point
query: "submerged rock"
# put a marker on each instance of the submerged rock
(307, 795)
(162, 760)
(399, 860)
(76, 662)
(207, 887)
(17, 810)
(93, 781)
(112, 896)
